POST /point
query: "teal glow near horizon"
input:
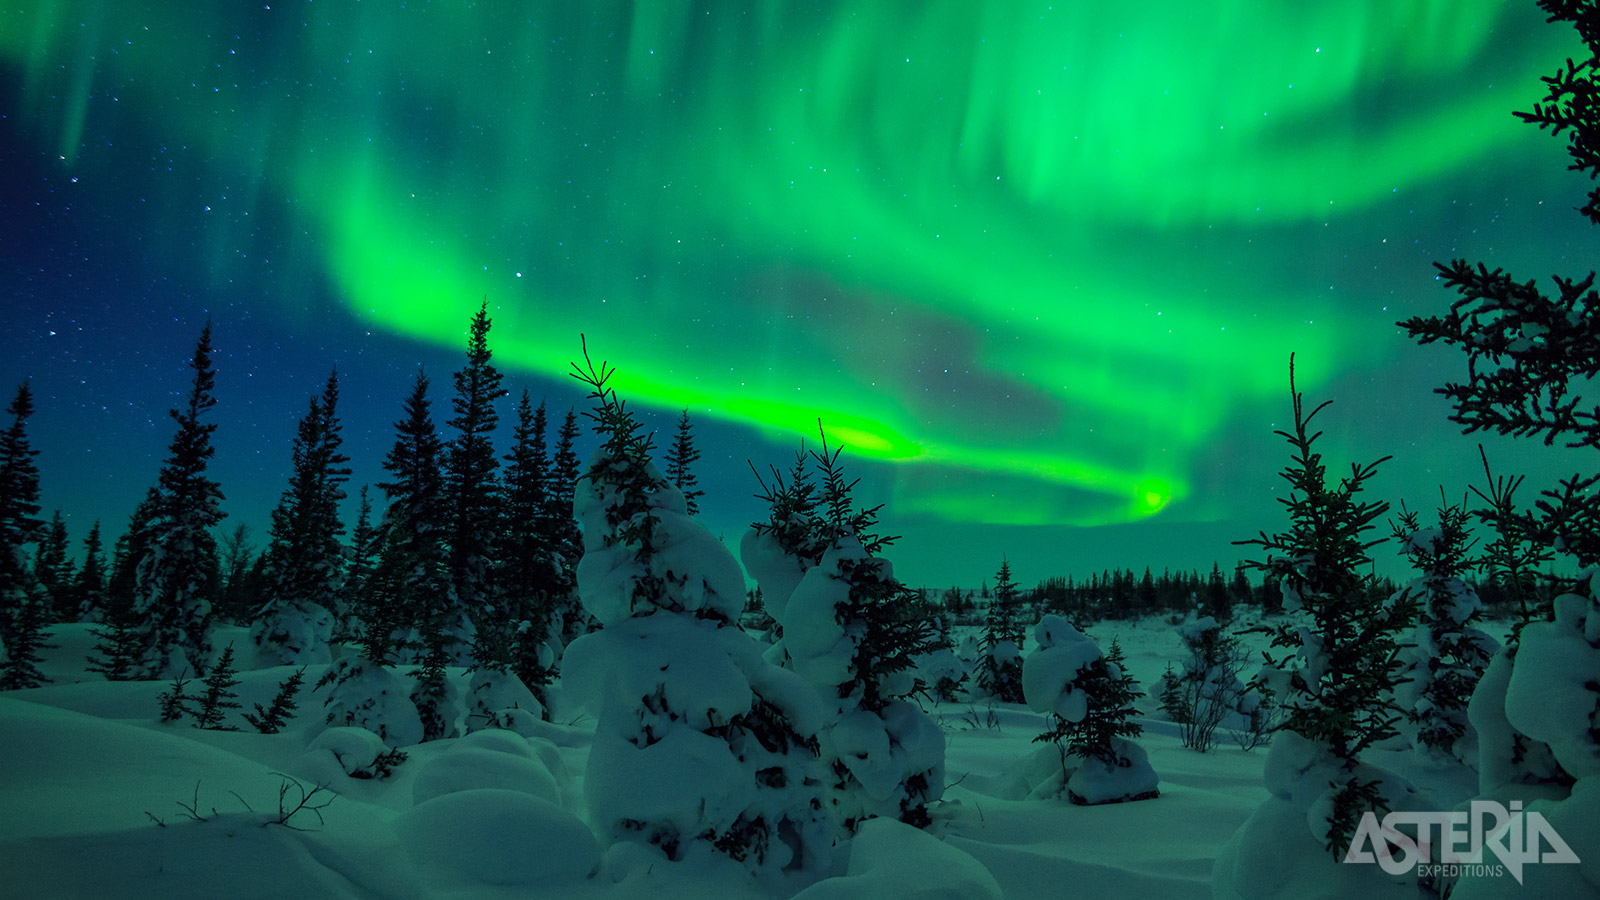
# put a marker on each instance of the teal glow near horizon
(1038, 259)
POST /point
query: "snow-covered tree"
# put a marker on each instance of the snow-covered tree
(305, 558)
(701, 746)
(778, 552)
(1531, 358)
(177, 574)
(1447, 655)
(1088, 700)
(471, 486)
(853, 631)
(1000, 662)
(1333, 686)
(681, 457)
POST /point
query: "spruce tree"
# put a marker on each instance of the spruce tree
(19, 510)
(1087, 697)
(885, 627)
(363, 555)
(675, 684)
(53, 570)
(681, 457)
(20, 668)
(89, 587)
(277, 713)
(212, 705)
(1532, 363)
(1448, 654)
(411, 584)
(305, 557)
(1000, 666)
(178, 571)
(1334, 685)
(531, 576)
(470, 480)
(565, 537)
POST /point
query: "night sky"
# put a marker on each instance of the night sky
(1038, 267)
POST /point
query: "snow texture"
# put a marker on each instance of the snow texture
(500, 837)
(892, 859)
(1550, 698)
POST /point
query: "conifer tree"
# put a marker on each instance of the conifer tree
(852, 630)
(119, 652)
(178, 572)
(1448, 655)
(219, 695)
(1532, 363)
(531, 575)
(1088, 699)
(1000, 666)
(174, 701)
(1334, 687)
(470, 480)
(566, 539)
(411, 584)
(305, 558)
(675, 684)
(1218, 600)
(277, 713)
(89, 587)
(434, 696)
(19, 510)
(681, 457)
(363, 555)
(20, 668)
(53, 570)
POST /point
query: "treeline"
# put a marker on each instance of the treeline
(1121, 594)
(471, 559)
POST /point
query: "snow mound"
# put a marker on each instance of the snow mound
(353, 749)
(498, 837)
(892, 859)
(462, 769)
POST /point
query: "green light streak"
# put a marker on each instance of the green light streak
(782, 211)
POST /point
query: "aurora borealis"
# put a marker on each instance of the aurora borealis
(1042, 263)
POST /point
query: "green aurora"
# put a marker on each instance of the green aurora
(1038, 256)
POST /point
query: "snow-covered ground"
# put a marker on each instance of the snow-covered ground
(100, 799)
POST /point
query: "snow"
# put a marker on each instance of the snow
(498, 837)
(84, 763)
(1552, 701)
(891, 859)
(1049, 672)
